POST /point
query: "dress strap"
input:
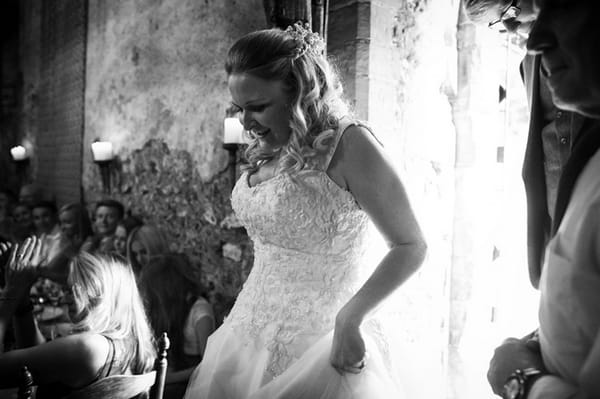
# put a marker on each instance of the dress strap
(344, 124)
(110, 359)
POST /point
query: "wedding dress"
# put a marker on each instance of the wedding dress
(309, 239)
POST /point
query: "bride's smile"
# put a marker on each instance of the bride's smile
(263, 109)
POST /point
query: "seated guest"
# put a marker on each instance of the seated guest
(75, 224)
(111, 334)
(144, 243)
(45, 218)
(176, 303)
(107, 215)
(45, 221)
(6, 204)
(30, 194)
(22, 226)
(6, 197)
(124, 228)
(75, 228)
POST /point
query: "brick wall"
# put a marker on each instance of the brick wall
(61, 107)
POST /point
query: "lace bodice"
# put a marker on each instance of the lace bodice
(309, 236)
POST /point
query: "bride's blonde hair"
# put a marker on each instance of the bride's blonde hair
(296, 58)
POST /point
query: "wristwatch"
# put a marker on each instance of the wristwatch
(518, 383)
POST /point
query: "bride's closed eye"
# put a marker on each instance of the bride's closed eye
(252, 108)
(257, 108)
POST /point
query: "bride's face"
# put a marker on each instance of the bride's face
(263, 109)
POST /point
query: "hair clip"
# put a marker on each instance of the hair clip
(306, 40)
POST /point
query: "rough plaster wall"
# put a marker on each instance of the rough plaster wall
(155, 70)
(412, 58)
(157, 90)
(398, 62)
(430, 111)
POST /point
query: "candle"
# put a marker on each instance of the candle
(18, 153)
(233, 131)
(102, 151)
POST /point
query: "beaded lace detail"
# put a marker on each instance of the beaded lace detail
(309, 239)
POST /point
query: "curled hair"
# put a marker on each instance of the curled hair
(170, 285)
(108, 302)
(312, 86)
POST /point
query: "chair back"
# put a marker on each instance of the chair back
(116, 387)
(160, 366)
(130, 386)
(25, 384)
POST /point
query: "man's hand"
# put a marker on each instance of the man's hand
(513, 354)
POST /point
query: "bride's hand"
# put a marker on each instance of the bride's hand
(348, 349)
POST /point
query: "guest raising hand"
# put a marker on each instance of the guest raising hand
(111, 334)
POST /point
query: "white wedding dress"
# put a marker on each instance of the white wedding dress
(309, 240)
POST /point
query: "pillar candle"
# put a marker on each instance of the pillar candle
(18, 153)
(233, 131)
(102, 151)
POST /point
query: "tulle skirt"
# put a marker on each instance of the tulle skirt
(234, 368)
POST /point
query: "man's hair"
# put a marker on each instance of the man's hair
(477, 10)
(46, 205)
(112, 204)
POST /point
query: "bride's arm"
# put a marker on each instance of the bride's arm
(360, 165)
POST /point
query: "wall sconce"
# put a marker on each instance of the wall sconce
(20, 157)
(102, 154)
(233, 135)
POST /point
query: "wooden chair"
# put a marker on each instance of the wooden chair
(160, 367)
(117, 386)
(130, 386)
(26, 384)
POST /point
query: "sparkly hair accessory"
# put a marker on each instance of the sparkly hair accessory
(306, 40)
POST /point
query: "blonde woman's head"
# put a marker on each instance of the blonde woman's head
(106, 301)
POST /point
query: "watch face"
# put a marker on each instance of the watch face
(512, 388)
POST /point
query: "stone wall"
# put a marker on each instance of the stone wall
(408, 86)
(156, 89)
(11, 91)
(348, 43)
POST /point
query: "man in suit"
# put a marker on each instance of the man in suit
(552, 132)
(566, 362)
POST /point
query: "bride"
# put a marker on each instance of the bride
(302, 325)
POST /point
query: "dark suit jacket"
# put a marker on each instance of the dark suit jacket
(540, 226)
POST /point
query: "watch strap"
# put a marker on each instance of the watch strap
(531, 375)
(525, 377)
